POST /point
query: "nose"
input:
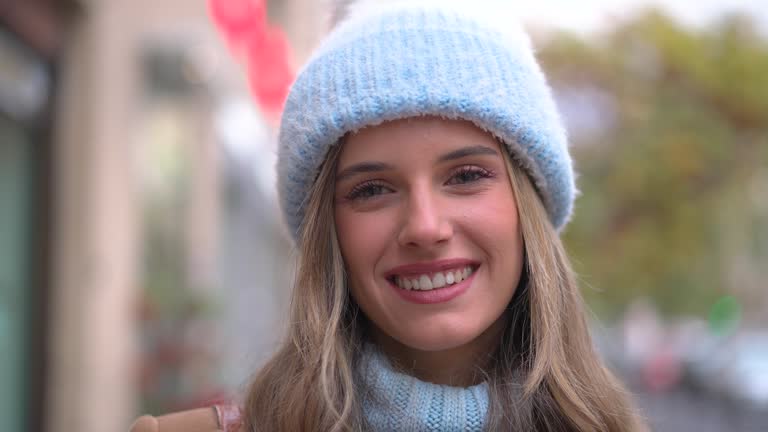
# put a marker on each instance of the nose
(425, 223)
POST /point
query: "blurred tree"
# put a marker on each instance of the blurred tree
(670, 136)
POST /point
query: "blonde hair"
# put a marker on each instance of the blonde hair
(545, 375)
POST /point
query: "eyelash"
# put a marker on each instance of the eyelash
(477, 173)
(370, 188)
(365, 190)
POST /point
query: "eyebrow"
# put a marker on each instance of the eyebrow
(468, 151)
(369, 167)
(363, 167)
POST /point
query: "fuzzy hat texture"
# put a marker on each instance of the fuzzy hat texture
(391, 59)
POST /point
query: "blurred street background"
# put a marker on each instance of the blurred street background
(144, 267)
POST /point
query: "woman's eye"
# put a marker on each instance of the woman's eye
(468, 175)
(367, 190)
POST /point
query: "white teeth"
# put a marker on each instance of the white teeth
(425, 283)
(438, 280)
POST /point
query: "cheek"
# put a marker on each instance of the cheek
(495, 224)
(363, 238)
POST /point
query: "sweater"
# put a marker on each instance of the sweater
(394, 401)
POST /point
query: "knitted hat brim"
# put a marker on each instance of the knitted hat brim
(410, 64)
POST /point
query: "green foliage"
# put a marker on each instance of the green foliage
(665, 210)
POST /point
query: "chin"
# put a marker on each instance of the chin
(438, 339)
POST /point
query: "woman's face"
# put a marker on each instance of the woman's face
(427, 223)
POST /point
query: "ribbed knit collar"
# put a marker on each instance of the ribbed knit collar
(393, 401)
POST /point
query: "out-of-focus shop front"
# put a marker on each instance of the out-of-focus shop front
(141, 257)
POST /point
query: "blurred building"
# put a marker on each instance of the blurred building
(142, 264)
(111, 117)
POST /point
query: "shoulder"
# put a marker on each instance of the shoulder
(211, 419)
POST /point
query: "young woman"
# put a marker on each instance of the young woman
(424, 176)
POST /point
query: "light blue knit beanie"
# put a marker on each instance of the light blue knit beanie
(393, 59)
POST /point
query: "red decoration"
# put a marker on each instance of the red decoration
(267, 52)
(237, 19)
(269, 71)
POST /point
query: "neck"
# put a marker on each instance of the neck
(459, 366)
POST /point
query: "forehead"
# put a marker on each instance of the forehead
(418, 137)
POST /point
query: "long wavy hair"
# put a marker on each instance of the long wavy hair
(544, 375)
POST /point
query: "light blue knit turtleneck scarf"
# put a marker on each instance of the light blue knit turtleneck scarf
(394, 401)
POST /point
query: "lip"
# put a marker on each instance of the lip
(434, 296)
(425, 267)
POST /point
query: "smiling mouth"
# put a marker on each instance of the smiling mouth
(434, 280)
